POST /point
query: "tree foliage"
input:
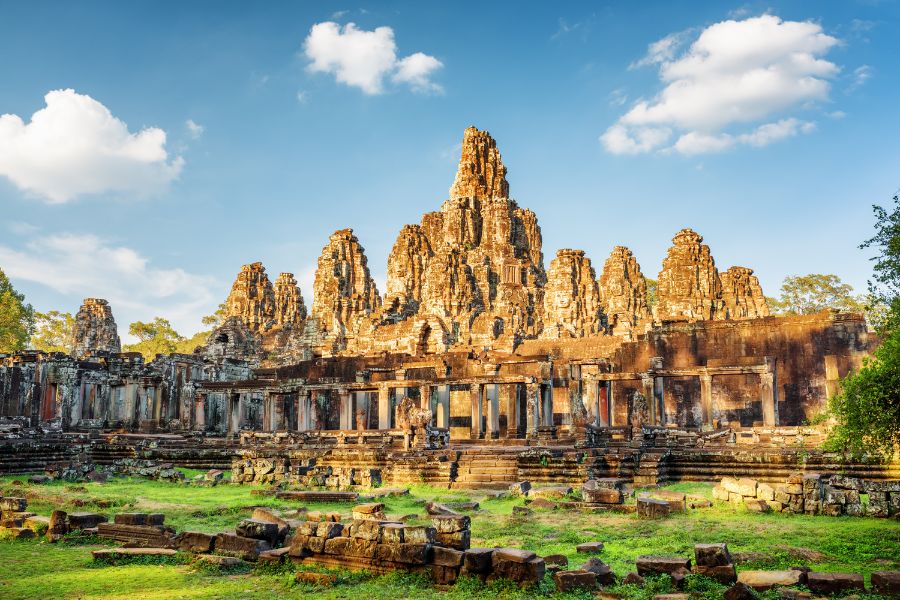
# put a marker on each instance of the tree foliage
(809, 294)
(867, 409)
(16, 317)
(159, 337)
(651, 292)
(53, 331)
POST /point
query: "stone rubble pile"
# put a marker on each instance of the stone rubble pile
(813, 494)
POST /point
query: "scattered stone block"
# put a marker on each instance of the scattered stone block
(145, 536)
(556, 560)
(603, 572)
(193, 541)
(478, 560)
(659, 565)
(419, 534)
(18, 533)
(59, 525)
(593, 493)
(886, 583)
(589, 548)
(38, 479)
(264, 530)
(633, 579)
(552, 493)
(438, 509)
(758, 506)
(223, 562)
(651, 508)
(542, 503)
(447, 557)
(522, 511)
(243, 548)
(711, 555)
(274, 556)
(569, 581)
(13, 504)
(84, 520)
(766, 580)
(722, 573)
(834, 583)
(764, 491)
(460, 540)
(739, 591)
(521, 566)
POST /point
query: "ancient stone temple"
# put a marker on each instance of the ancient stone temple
(623, 294)
(571, 297)
(477, 367)
(345, 293)
(252, 298)
(95, 329)
(742, 294)
(689, 288)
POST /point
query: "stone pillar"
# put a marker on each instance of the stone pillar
(200, 412)
(659, 400)
(650, 397)
(305, 410)
(592, 401)
(510, 393)
(442, 417)
(346, 409)
(476, 393)
(493, 413)
(547, 405)
(384, 407)
(767, 396)
(532, 409)
(611, 402)
(706, 398)
(832, 376)
(234, 416)
(425, 397)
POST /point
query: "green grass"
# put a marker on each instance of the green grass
(65, 570)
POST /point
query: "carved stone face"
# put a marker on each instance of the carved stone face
(562, 300)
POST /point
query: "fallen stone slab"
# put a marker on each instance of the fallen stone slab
(477, 560)
(589, 548)
(520, 488)
(758, 506)
(542, 503)
(438, 509)
(193, 541)
(145, 536)
(274, 556)
(569, 581)
(886, 583)
(241, 547)
(514, 564)
(671, 597)
(139, 519)
(13, 504)
(37, 522)
(740, 591)
(551, 493)
(559, 561)
(766, 580)
(38, 479)
(712, 555)
(451, 523)
(462, 506)
(260, 530)
(601, 570)
(651, 508)
(312, 578)
(834, 583)
(109, 554)
(389, 492)
(661, 565)
(721, 573)
(84, 520)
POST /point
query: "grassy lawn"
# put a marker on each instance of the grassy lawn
(38, 569)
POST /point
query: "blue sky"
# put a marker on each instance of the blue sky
(201, 136)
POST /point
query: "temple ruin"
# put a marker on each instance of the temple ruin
(477, 367)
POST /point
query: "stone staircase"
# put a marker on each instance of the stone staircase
(652, 467)
(486, 468)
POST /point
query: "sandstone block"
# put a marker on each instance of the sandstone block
(739, 591)
(478, 560)
(451, 523)
(589, 548)
(721, 573)
(337, 545)
(711, 555)
(12, 504)
(569, 581)
(754, 505)
(601, 570)
(764, 491)
(520, 488)
(834, 583)
(328, 530)
(84, 520)
(313, 578)
(886, 583)
(766, 580)
(525, 573)
(411, 554)
(651, 508)
(419, 534)
(447, 557)
(656, 565)
(260, 530)
(194, 541)
(241, 547)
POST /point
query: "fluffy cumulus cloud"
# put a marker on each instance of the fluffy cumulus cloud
(367, 59)
(82, 266)
(732, 86)
(75, 146)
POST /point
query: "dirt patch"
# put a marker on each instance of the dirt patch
(806, 554)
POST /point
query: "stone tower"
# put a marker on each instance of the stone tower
(289, 307)
(571, 297)
(689, 287)
(742, 294)
(623, 294)
(252, 298)
(95, 329)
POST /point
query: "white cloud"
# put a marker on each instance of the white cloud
(416, 69)
(302, 97)
(837, 114)
(87, 266)
(75, 146)
(364, 59)
(860, 76)
(618, 97)
(195, 130)
(22, 228)
(734, 74)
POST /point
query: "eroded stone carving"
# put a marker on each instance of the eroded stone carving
(252, 298)
(742, 294)
(623, 294)
(95, 329)
(689, 288)
(289, 307)
(571, 297)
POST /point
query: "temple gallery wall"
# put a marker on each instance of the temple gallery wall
(474, 343)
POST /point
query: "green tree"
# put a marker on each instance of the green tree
(808, 294)
(52, 331)
(651, 292)
(217, 318)
(16, 317)
(156, 337)
(867, 409)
